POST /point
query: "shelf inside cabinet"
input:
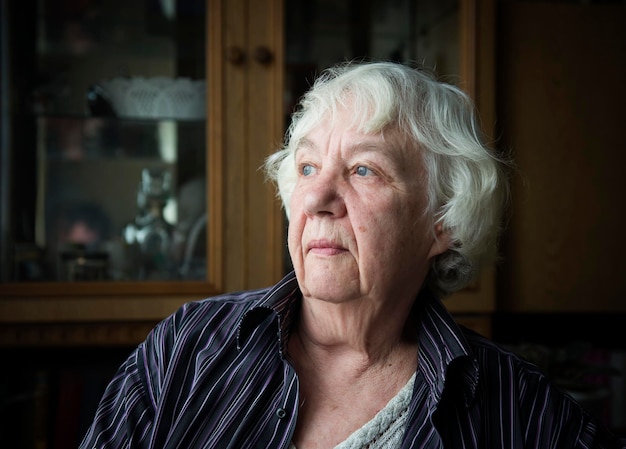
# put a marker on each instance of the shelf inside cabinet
(126, 194)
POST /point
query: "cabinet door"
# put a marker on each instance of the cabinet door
(105, 153)
(562, 115)
(246, 77)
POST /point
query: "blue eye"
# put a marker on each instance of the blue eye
(363, 171)
(306, 170)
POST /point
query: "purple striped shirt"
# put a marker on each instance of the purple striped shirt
(214, 375)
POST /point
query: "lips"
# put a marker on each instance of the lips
(325, 247)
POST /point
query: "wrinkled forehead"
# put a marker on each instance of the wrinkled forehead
(349, 110)
(342, 124)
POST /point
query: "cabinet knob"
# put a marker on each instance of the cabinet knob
(263, 55)
(235, 55)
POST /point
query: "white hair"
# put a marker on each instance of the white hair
(466, 185)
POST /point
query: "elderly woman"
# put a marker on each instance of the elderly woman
(393, 202)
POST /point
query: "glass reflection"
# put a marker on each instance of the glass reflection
(107, 147)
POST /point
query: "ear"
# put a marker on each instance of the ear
(441, 243)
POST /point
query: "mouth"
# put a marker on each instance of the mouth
(325, 248)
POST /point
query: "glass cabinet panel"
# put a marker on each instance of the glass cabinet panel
(104, 141)
(320, 33)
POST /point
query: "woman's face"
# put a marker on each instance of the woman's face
(358, 221)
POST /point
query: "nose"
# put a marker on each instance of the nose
(323, 195)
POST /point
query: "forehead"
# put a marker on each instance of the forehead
(348, 121)
(340, 130)
(327, 137)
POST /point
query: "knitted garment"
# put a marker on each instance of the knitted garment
(386, 429)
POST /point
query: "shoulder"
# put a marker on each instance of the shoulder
(499, 365)
(204, 325)
(516, 398)
(230, 307)
(490, 353)
(223, 310)
(521, 385)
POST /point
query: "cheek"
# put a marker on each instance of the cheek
(374, 217)
(295, 229)
(398, 214)
(402, 226)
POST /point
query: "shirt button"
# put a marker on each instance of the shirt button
(281, 413)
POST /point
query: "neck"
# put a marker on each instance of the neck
(362, 325)
(353, 339)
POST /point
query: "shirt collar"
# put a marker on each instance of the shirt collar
(443, 349)
(444, 353)
(283, 300)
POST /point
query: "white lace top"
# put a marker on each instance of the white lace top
(386, 429)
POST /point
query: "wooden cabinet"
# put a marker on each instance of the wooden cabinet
(252, 79)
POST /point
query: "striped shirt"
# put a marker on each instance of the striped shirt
(214, 375)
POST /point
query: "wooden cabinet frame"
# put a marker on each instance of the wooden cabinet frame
(477, 27)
